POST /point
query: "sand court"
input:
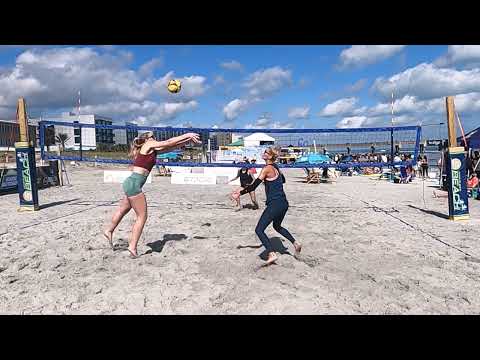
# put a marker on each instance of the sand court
(370, 247)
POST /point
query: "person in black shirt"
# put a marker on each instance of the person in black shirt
(424, 166)
(245, 179)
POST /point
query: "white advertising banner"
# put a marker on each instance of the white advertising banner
(119, 176)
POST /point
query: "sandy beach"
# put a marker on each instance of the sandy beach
(370, 247)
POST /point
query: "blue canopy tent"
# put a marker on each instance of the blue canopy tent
(314, 159)
(473, 139)
(169, 155)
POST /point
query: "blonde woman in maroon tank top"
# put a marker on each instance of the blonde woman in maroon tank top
(143, 152)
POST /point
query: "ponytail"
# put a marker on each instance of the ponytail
(137, 144)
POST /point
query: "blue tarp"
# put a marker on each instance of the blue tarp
(314, 159)
(169, 155)
(473, 139)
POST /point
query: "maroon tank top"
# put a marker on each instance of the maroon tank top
(146, 161)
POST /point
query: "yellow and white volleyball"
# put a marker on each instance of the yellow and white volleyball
(174, 86)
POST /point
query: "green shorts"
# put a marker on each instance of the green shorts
(133, 184)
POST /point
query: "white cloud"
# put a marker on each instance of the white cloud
(375, 121)
(108, 47)
(468, 55)
(219, 80)
(361, 55)
(270, 125)
(50, 78)
(232, 65)
(148, 68)
(234, 108)
(411, 110)
(357, 86)
(299, 112)
(263, 121)
(427, 81)
(147, 112)
(340, 107)
(192, 87)
(353, 121)
(260, 85)
(266, 82)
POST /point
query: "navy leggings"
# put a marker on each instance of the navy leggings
(274, 212)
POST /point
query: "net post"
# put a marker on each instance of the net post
(452, 138)
(81, 150)
(26, 166)
(456, 170)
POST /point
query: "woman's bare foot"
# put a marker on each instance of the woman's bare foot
(298, 247)
(133, 253)
(235, 202)
(272, 257)
(109, 236)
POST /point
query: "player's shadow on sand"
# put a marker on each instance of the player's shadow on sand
(277, 245)
(431, 212)
(157, 246)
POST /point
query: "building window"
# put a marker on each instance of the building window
(77, 139)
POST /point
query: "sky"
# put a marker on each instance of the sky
(247, 86)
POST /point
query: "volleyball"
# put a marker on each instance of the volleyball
(174, 86)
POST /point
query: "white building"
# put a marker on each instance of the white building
(236, 137)
(125, 136)
(90, 137)
(120, 136)
(258, 139)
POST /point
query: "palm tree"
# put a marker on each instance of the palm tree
(62, 139)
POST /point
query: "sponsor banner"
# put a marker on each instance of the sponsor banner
(193, 179)
(46, 176)
(119, 176)
(457, 184)
(26, 176)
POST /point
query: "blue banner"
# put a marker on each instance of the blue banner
(26, 176)
(457, 184)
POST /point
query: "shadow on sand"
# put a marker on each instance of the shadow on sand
(430, 212)
(157, 246)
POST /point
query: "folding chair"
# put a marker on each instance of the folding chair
(313, 177)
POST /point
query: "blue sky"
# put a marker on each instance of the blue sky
(234, 86)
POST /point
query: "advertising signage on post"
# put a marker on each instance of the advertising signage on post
(434, 142)
(26, 176)
(47, 175)
(457, 184)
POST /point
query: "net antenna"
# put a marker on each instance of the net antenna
(78, 112)
(393, 102)
(391, 133)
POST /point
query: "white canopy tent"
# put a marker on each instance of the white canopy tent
(258, 139)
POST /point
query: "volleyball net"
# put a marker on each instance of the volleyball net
(297, 148)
